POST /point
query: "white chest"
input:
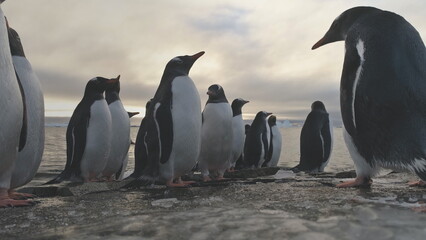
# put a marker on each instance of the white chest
(238, 136)
(186, 118)
(98, 138)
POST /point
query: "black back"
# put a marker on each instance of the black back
(315, 139)
(254, 139)
(158, 119)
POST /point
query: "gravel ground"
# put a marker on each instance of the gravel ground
(281, 206)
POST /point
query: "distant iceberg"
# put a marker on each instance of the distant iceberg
(284, 124)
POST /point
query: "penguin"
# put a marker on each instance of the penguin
(141, 155)
(238, 131)
(216, 134)
(382, 92)
(256, 145)
(88, 135)
(11, 120)
(275, 143)
(120, 142)
(173, 127)
(316, 140)
(31, 152)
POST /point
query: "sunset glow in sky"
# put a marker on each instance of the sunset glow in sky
(257, 50)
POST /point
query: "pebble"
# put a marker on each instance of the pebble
(165, 203)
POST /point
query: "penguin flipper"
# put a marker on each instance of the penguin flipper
(164, 120)
(265, 146)
(349, 74)
(76, 143)
(141, 156)
(327, 141)
(77, 146)
(24, 128)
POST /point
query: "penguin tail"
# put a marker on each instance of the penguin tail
(133, 175)
(295, 169)
(142, 181)
(58, 179)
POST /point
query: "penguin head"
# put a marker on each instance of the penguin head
(98, 85)
(318, 105)
(272, 120)
(114, 86)
(341, 25)
(148, 105)
(182, 64)
(237, 104)
(262, 115)
(216, 94)
(15, 44)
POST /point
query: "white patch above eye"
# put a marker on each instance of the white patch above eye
(360, 49)
(177, 59)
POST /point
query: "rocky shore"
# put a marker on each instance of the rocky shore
(266, 204)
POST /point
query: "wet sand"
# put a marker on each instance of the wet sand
(282, 206)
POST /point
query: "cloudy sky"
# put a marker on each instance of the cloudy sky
(257, 50)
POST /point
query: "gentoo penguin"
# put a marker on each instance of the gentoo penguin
(256, 145)
(216, 134)
(383, 92)
(141, 152)
(88, 134)
(275, 143)
(238, 131)
(173, 126)
(11, 119)
(29, 157)
(316, 140)
(120, 142)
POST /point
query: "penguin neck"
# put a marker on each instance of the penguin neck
(236, 110)
(166, 82)
(112, 96)
(219, 99)
(93, 96)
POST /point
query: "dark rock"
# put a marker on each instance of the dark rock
(252, 173)
(347, 174)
